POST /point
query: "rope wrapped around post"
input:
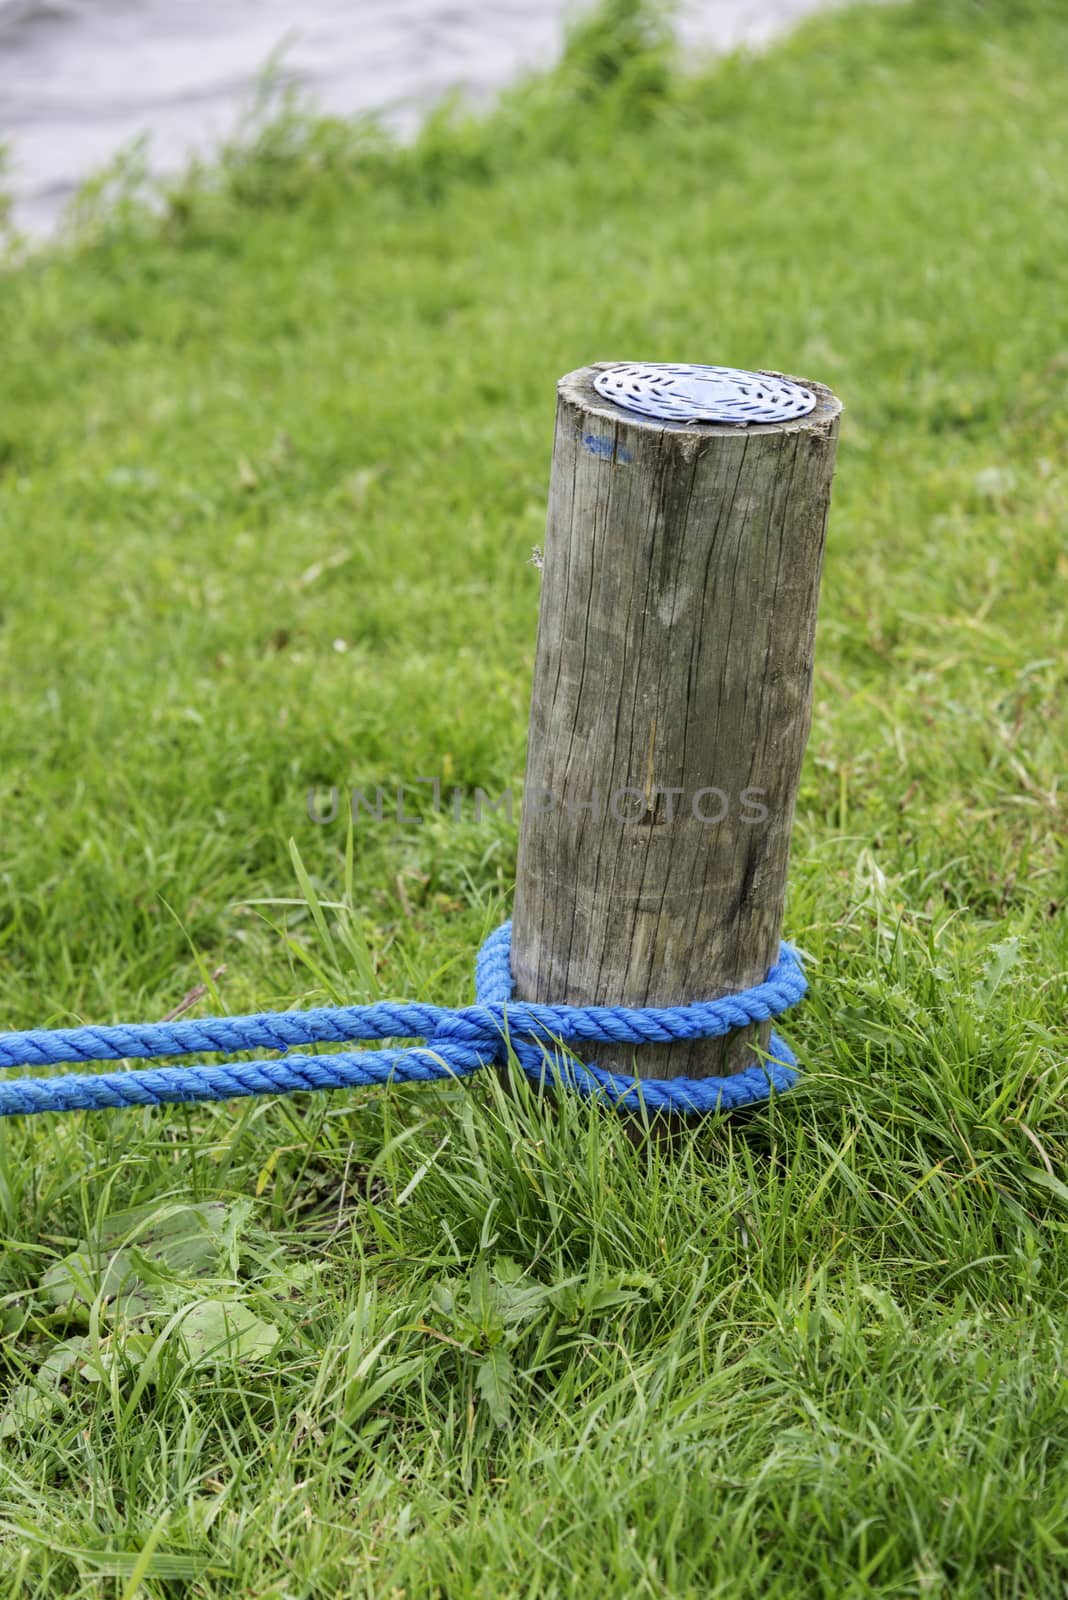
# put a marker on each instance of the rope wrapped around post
(458, 1043)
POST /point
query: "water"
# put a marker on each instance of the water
(81, 79)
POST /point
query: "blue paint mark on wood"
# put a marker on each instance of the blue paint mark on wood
(599, 446)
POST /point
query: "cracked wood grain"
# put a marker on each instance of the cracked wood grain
(673, 668)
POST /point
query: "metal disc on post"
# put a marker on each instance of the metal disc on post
(672, 693)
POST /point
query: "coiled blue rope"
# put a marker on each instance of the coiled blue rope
(458, 1043)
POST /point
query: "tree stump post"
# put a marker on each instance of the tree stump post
(671, 705)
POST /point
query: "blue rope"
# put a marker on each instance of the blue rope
(458, 1043)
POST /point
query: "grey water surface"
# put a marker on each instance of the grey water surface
(82, 79)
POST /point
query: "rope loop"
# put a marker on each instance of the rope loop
(458, 1042)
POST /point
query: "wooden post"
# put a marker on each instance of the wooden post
(671, 705)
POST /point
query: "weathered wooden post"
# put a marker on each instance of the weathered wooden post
(671, 704)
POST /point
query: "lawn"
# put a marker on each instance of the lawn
(273, 460)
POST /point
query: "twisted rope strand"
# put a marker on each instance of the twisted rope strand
(458, 1042)
(156, 1086)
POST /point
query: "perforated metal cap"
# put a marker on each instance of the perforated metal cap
(684, 393)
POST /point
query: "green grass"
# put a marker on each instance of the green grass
(272, 463)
